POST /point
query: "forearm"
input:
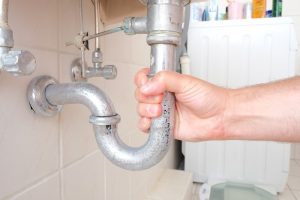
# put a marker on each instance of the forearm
(264, 112)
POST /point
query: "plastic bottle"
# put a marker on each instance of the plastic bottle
(277, 8)
(258, 8)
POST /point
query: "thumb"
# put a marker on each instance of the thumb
(168, 81)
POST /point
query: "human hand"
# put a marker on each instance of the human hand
(200, 106)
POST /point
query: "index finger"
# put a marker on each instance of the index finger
(141, 77)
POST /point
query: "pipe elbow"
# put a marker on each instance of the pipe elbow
(46, 98)
(145, 156)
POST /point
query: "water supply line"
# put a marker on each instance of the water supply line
(46, 97)
(79, 69)
(16, 62)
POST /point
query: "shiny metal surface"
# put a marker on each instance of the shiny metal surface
(37, 99)
(97, 22)
(19, 62)
(81, 93)
(46, 97)
(6, 37)
(147, 155)
(135, 25)
(16, 62)
(108, 72)
(4, 12)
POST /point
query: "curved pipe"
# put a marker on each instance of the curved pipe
(164, 22)
(105, 119)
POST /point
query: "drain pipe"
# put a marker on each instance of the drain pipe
(46, 96)
(16, 62)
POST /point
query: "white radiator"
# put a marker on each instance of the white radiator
(235, 54)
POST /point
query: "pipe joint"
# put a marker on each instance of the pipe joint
(102, 121)
(135, 25)
(6, 37)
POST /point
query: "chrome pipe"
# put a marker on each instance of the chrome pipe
(104, 120)
(81, 93)
(97, 22)
(4, 12)
(6, 34)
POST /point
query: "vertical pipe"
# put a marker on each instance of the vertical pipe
(4, 12)
(163, 58)
(82, 49)
(97, 23)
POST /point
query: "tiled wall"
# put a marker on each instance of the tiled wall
(57, 158)
(291, 8)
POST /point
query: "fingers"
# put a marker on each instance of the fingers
(141, 77)
(149, 110)
(144, 124)
(148, 99)
(167, 81)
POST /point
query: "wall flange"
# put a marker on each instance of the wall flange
(37, 97)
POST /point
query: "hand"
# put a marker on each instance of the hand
(200, 106)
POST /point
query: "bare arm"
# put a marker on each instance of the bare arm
(207, 112)
(265, 112)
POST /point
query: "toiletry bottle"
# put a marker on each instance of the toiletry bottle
(213, 10)
(277, 8)
(269, 8)
(258, 8)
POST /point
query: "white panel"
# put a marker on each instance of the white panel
(236, 54)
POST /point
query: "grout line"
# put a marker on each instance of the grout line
(60, 138)
(80, 159)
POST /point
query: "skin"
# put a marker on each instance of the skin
(208, 112)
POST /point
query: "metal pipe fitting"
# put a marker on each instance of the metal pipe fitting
(16, 62)
(97, 22)
(46, 97)
(135, 25)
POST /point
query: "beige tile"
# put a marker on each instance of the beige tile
(118, 182)
(142, 182)
(85, 179)
(140, 50)
(294, 183)
(286, 194)
(28, 142)
(34, 23)
(47, 190)
(117, 47)
(296, 194)
(69, 22)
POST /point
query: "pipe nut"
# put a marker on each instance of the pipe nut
(18, 62)
(109, 71)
